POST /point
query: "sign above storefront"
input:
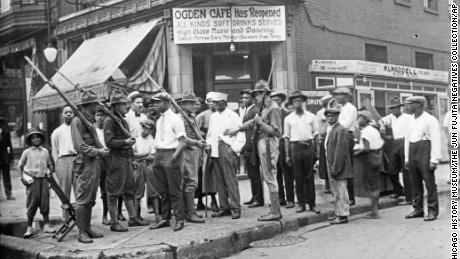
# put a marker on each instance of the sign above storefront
(226, 24)
(377, 69)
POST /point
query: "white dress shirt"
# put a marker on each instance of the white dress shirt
(425, 127)
(218, 123)
(100, 135)
(398, 124)
(134, 123)
(372, 135)
(348, 116)
(61, 142)
(169, 128)
(144, 145)
(243, 111)
(300, 127)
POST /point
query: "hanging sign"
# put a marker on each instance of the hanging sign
(226, 24)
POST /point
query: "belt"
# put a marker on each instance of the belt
(304, 142)
(68, 155)
(165, 149)
(143, 161)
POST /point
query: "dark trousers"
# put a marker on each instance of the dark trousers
(168, 176)
(419, 172)
(6, 178)
(285, 173)
(38, 196)
(302, 163)
(350, 185)
(396, 165)
(257, 189)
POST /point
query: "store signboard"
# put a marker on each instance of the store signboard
(378, 69)
(228, 23)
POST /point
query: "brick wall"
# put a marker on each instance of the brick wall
(337, 29)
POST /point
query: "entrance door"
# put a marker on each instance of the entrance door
(364, 94)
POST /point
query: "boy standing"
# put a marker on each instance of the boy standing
(34, 165)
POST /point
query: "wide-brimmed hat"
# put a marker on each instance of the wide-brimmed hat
(297, 94)
(148, 123)
(395, 102)
(133, 95)
(366, 114)
(117, 97)
(278, 93)
(160, 97)
(88, 97)
(189, 97)
(332, 110)
(32, 131)
(416, 99)
(261, 86)
(342, 90)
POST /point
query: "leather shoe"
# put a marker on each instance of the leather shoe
(221, 213)
(251, 201)
(162, 224)
(255, 204)
(94, 234)
(289, 205)
(84, 238)
(117, 227)
(236, 214)
(315, 210)
(352, 202)
(430, 217)
(415, 214)
(339, 220)
(301, 209)
(137, 223)
(194, 218)
(179, 225)
(332, 218)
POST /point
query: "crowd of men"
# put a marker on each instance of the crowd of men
(177, 154)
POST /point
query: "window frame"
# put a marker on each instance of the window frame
(372, 44)
(430, 10)
(431, 65)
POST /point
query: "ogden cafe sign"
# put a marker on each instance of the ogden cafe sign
(226, 24)
(378, 69)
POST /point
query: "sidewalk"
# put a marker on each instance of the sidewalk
(214, 239)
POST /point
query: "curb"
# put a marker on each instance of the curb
(220, 245)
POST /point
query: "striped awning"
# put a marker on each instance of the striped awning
(98, 64)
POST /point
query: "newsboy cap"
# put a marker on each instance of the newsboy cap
(332, 110)
(160, 97)
(416, 99)
(342, 90)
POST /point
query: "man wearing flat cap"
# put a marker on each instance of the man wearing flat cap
(246, 113)
(168, 164)
(224, 151)
(268, 127)
(119, 179)
(322, 127)
(134, 117)
(422, 146)
(192, 155)
(300, 133)
(285, 174)
(86, 167)
(395, 125)
(348, 117)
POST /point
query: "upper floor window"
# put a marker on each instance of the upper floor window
(5, 5)
(376, 53)
(423, 60)
(431, 5)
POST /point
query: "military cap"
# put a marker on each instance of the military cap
(278, 93)
(117, 97)
(261, 86)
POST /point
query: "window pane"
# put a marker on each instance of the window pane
(376, 53)
(423, 60)
(431, 4)
(232, 67)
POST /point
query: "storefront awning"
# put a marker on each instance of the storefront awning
(102, 61)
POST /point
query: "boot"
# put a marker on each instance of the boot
(80, 216)
(133, 220)
(91, 233)
(191, 215)
(156, 207)
(275, 211)
(113, 210)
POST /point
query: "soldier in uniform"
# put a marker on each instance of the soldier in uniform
(86, 167)
(192, 154)
(119, 179)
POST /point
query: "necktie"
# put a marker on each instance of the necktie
(137, 114)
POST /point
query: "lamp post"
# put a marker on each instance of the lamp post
(50, 52)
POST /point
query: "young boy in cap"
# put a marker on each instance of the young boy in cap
(144, 149)
(422, 146)
(33, 166)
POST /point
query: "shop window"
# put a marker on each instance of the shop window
(423, 60)
(325, 82)
(232, 68)
(431, 6)
(376, 53)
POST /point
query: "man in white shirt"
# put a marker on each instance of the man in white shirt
(347, 118)
(168, 163)
(64, 154)
(422, 147)
(395, 124)
(224, 150)
(300, 132)
(134, 117)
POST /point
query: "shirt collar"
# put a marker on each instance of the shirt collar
(36, 148)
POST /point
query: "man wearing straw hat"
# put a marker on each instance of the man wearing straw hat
(119, 179)
(395, 125)
(86, 168)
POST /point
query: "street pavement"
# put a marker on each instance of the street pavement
(393, 236)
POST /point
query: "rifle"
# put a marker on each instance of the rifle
(71, 221)
(74, 108)
(103, 107)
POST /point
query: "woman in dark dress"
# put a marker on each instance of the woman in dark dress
(368, 162)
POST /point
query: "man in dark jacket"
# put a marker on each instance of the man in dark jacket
(339, 166)
(6, 156)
